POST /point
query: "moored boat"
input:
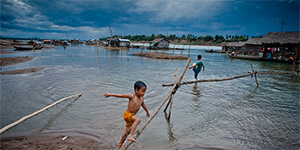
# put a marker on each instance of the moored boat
(213, 51)
(28, 47)
(259, 58)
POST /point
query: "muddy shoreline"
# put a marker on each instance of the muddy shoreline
(75, 142)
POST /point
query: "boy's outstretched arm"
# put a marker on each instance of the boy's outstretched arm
(145, 108)
(118, 95)
(203, 67)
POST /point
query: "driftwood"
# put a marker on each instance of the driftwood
(174, 88)
(35, 113)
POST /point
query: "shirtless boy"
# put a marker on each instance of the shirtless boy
(136, 100)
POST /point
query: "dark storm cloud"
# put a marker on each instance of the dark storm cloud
(89, 18)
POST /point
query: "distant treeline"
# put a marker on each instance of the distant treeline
(190, 38)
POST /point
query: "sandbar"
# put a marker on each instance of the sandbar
(53, 143)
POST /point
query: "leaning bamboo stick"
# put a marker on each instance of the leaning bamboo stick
(175, 87)
(171, 98)
(35, 113)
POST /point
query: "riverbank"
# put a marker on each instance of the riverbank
(75, 142)
(6, 61)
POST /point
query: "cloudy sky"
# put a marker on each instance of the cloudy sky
(88, 19)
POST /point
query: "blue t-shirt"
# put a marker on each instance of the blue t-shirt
(199, 65)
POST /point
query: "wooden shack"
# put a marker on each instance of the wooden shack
(277, 44)
(253, 46)
(118, 42)
(234, 47)
(159, 43)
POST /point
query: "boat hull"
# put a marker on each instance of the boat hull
(19, 48)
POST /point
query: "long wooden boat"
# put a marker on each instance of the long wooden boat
(19, 48)
(155, 48)
(248, 57)
(213, 51)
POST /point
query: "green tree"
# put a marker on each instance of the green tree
(208, 38)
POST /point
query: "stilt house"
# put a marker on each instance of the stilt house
(253, 46)
(277, 44)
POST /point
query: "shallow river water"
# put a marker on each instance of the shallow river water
(210, 115)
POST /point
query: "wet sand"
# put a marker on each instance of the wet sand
(23, 71)
(52, 143)
(6, 61)
(5, 52)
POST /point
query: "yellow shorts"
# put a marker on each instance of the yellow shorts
(127, 117)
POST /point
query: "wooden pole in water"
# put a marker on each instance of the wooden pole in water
(254, 76)
(174, 88)
(293, 69)
(171, 98)
(35, 113)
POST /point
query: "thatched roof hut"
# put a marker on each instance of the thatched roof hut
(281, 38)
(254, 41)
(235, 44)
(282, 44)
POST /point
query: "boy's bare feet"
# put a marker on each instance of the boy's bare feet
(130, 138)
(119, 145)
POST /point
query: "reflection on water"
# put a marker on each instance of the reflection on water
(213, 115)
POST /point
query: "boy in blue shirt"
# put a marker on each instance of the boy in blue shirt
(197, 66)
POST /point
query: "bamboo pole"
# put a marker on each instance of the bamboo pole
(224, 79)
(175, 77)
(254, 76)
(211, 80)
(175, 87)
(293, 69)
(35, 113)
(171, 99)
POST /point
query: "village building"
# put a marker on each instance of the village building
(118, 42)
(272, 46)
(236, 47)
(253, 46)
(159, 43)
(281, 44)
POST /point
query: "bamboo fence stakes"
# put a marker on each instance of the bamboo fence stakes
(254, 76)
(175, 87)
(35, 113)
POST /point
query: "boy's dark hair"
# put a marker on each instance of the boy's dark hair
(139, 84)
(199, 56)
